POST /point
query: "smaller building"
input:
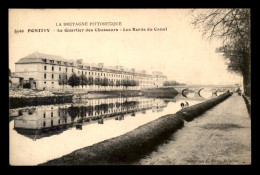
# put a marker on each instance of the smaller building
(158, 78)
(15, 80)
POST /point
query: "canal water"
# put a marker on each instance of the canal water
(41, 133)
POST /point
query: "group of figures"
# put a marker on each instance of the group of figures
(184, 105)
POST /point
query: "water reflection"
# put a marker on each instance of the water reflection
(39, 122)
(42, 133)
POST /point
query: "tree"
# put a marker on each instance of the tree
(172, 83)
(233, 27)
(73, 80)
(90, 81)
(110, 83)
(131, 82)
(104, 82)
(126, 82)
(97, 82)
(63, 80)
(73, 112)
(83, 80)
(118, 83)
(137, 83)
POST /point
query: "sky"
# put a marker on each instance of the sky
(180, 52)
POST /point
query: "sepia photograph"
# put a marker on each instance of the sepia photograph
(163, 86)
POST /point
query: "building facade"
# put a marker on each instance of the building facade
(44, 72)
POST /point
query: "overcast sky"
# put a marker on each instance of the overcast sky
(180, 52)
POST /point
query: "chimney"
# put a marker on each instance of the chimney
(100, 65)
(79, 61)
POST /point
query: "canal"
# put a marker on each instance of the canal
(41, 133)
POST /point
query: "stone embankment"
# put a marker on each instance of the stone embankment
(135, 144)
(26, 93)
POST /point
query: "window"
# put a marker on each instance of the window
(66, 69)
(44, 115)
(59, 68)
(44, 124)
(45, 82)
(52, 76)
(52, 68)
(51, 114)
(44, 75)
(52, 123)
(45, 67)
(71, 70)
(59, 76)
(59, 121)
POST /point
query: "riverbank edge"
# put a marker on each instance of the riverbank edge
(135, 144)
(17, 102)
(248, 104)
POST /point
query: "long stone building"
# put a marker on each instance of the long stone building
(43, 71)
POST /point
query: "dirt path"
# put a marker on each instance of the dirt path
(222, 135)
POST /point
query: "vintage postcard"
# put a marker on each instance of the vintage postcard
(129, 86)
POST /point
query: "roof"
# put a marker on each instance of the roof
(37, 57)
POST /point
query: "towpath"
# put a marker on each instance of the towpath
(221, 136)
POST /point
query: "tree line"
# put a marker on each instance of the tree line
(82, 80)
(172, 83)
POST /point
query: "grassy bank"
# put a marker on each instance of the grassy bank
(190, 113)
(135, 144)
(167, 92)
